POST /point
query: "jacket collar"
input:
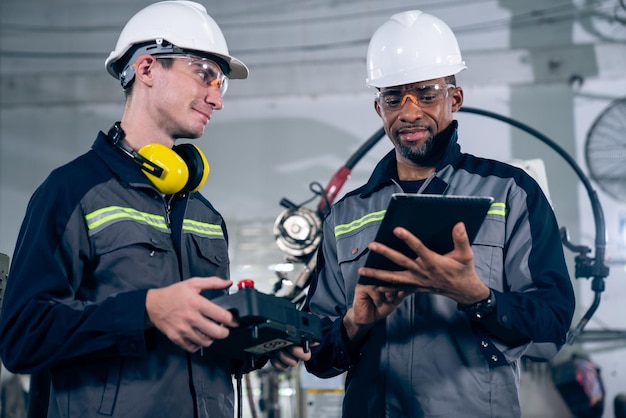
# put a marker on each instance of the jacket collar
(126, 170)
(386, 170)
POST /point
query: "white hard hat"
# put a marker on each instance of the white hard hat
(412, 46)
(176, 26)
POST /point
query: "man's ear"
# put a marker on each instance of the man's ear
(144, 67)
(457, 98)
(377, 108)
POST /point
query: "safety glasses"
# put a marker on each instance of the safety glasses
(204, 70)
(423, 96)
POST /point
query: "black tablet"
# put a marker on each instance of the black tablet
(430, 218)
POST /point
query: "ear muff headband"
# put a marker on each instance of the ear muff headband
(116, 134)
(184, 168)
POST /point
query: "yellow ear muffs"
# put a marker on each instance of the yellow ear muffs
(183, 168)
(175, 173)
(197, 164)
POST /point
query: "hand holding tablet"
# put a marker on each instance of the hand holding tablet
(430, 218)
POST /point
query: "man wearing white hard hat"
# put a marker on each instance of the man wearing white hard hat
(443, 335)
(108, 304)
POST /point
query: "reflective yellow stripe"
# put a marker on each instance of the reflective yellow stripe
(101, 218)
(356, 224)
(497, 208)
(202, 228)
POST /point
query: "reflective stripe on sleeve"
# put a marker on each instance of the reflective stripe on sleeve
(202, 229)
(497, 208)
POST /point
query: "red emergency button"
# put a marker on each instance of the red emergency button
(245, 283)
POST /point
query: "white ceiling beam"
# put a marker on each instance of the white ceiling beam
(515, 67)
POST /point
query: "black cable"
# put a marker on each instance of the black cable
(238, 373)
(364, 148)
(598, 270)
(320, 192)
(238, 378)
(338, 180)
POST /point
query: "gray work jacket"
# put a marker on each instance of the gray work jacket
(96, 237)
(427, 359)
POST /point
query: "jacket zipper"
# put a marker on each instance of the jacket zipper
(168, 212)
(168, 220)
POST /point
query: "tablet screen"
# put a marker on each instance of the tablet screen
(430, 218)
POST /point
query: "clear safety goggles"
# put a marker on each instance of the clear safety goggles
(422, 96)
(204, 70)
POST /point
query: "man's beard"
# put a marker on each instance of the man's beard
(433, 149)
(421, 155)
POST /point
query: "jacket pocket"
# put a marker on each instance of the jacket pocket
(352, 252)
(354, 246)
(132, 256)
(111, 387)
(128, 235)
(209, 256)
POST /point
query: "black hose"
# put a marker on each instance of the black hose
(599, 270)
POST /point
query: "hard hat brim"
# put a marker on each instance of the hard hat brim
(415, 76)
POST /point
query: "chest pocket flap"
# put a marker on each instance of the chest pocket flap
(352, 246)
